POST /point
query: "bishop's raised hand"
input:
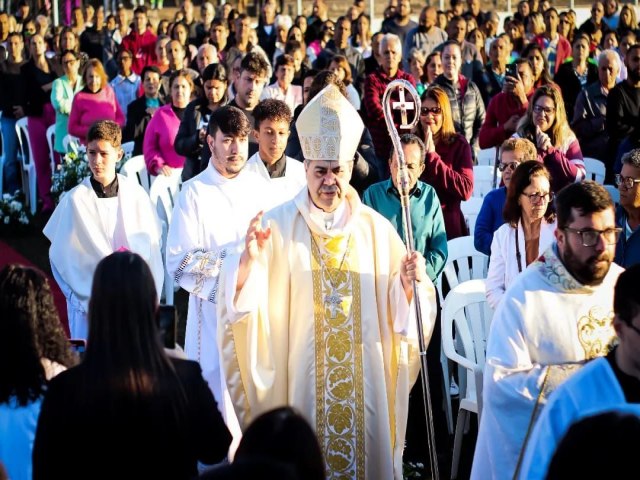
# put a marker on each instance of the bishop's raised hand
(256, 237)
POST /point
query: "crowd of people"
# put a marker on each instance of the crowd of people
(288, 230)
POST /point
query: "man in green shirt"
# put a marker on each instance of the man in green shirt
(430, 239)
(429, 235)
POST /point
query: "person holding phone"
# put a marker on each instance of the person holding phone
(128, 409)
(546, 125)
(509, 106)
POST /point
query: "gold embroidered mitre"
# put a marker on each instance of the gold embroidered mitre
(329, 127)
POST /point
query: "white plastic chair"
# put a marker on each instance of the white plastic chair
(464, 263)
(51, 133)
(127, 147)
(487, 156)
(470, 209)
(614, 192)
(483, 179)
(29, 184)
(466, 318)
(163, 193)
(136, 168)
(595, 169)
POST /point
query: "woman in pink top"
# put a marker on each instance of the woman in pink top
(96, 101)
(160, 136)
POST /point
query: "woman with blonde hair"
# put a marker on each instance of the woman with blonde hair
(628, 20)
(535, 26)
(448, 161)
(546, 125)
(566, 26)
(96, 101)
(361, 37)
(528, 229)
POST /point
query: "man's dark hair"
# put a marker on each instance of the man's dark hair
(106, 130)
(523, 61)
(219, 22)
(411, 139)
(150, 68)
(451, 42)
(254, 63)
(321, 80)
(284, 60)
(587, 197)
(230, 121)
(215, 71)
(292, 46)
(140, 9)
(626, 303)
(312, 72)
(632, 47)
(271, 109)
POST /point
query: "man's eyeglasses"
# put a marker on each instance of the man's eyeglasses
(538, 197)
(591, 237)
(628, 182)
(511, 166)
(427, 110)
(545, 110)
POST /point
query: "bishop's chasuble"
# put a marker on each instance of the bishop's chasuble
(323, 324)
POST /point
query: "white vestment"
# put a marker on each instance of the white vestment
(323, 324)
(593, 389)
(210, 221)
(84, 229)
(284, 188)
(504, 262)
(545, 326)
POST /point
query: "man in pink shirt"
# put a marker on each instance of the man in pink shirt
(141, 41)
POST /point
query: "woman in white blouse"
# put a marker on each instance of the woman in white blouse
(528, 230)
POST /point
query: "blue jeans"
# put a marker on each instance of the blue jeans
(11, 171)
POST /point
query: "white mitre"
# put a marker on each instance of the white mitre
(329, 127)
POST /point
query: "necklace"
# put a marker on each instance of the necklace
(332, 300)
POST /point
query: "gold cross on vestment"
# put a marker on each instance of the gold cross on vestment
(403, 105)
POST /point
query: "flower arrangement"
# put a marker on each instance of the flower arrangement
(14, 215)
(73, 168)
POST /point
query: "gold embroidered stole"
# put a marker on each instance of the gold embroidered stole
(338, 353)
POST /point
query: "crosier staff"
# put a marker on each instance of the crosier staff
(389, 105)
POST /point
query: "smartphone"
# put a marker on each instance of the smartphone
(167, 324)
(512, 70)
(79, 346)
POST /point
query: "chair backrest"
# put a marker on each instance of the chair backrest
(51, 133)
(24, 144)
(164, 192)
(487, 156)
(470, 209)
(595, 169)
(136, 168)
(127, 147)
(464, 263)
(614, 192)
(483, 179)
(466, 319)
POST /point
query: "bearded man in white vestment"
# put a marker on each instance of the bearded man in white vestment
(105, 213)
(319, 308)
(271, 129)
(555, 316)
(209, 222)
(606, 383)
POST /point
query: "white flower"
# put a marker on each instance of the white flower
(23, 219)
(6, 197)
(6, 220)
(15, 206)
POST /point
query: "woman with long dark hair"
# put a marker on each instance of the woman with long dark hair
(541, 76)
(33, 349)
(574, 76)
(528, 229)
(448, 163)
(546, 125)
(129, 410)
